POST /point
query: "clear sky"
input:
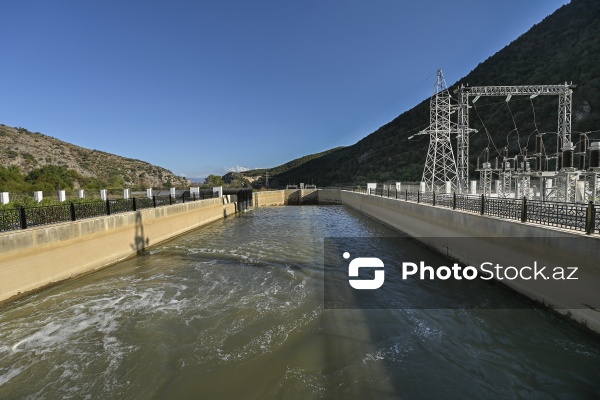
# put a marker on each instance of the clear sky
(201, 87)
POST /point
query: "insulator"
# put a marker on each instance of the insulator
(516, 163)
(486, 155)
(559, 162)
(538, 163)
(538, 144)
(595, 155)
(581, 161)
(583, 143)
(568, 151)
(496, 166)
(505, 153)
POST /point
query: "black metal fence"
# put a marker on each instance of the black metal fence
(23, 218)
(576, 216)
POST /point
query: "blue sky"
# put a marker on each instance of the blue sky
(200, 87)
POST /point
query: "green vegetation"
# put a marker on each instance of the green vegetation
(213, 180)
(563, 47)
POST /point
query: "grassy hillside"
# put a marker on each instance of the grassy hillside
(565, 46)
(36, 155)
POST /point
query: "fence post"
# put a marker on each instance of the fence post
(154, 201)
(406, 195)
(134, 204)
(73, 216)
(23, 218)
(170, 199)
(433, 201)
(454, 200)
(396, 194)
(418, 196)
(482, 204)
(388, 192)
(524, 210)
(107, 207)
(590, 217)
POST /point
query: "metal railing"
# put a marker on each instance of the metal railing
(575, 216)
(28, 217)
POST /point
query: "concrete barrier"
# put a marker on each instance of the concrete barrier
(436, 227)
(34, 258)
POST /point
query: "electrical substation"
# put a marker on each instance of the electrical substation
(568, 173)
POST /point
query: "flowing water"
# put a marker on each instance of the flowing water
(234, 310)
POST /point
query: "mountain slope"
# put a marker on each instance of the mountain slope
(29, 151)
(257, 176)
(563, 47)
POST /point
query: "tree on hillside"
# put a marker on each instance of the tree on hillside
(12, 179)
(50, 177)
(214, 180)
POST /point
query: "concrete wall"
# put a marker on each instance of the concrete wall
(269, 198)
(301, 196)
(549, 246)
(285, 197)
(33, 258)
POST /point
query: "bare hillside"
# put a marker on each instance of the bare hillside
(29, 150)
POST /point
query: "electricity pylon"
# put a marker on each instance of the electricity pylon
(440, 166)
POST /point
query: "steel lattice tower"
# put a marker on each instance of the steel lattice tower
(440, 166)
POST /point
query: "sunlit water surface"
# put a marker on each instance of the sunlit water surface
(234, 310)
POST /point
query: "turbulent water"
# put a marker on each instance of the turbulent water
(234, 310)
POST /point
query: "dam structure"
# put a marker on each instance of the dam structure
(465, 228)
(236, 309)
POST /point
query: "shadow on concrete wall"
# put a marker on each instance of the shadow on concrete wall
(139, 242)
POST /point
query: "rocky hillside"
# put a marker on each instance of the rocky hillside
(31, 150)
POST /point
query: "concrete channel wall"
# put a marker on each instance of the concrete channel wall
(473, 239)
(285, 197)
(34, 258)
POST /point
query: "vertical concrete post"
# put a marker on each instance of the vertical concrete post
(371, 187)
(126, 193)
(103, 194)
(422, 187)
(4, 198)
(497, 183)
(398, 186)
(149, 193)
(62, 196)
(81, 194)
(473, 187)
(218, 191)
(38, 196)
(172, 192)
(448, 187)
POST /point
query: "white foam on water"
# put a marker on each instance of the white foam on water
(11, 373)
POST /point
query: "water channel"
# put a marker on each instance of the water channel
(234, 310)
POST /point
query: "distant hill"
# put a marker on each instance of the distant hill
(565, 46)
(29, 151)
(256, 177)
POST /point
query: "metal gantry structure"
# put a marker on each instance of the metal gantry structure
(521, 168)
